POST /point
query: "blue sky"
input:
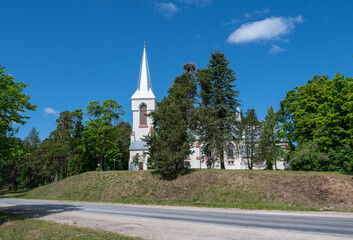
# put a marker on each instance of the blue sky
(73, 52)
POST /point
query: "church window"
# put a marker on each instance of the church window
(143, 117)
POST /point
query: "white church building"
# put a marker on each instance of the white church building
(143, 101)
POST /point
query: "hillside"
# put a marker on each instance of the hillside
(213, 188)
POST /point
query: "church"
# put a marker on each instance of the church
(143, 101)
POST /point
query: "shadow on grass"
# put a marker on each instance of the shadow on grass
(4, 193)
(348, 173)
(172, 175)
(9, 217)
(33, 211)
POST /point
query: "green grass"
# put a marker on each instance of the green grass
(283, 190)
(16, 227)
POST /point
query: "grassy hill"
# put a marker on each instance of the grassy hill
(210, 188)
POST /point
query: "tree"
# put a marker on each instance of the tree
(11, 165)
(320, 111)
(76, 142)
(171, 141)
(99, 133)
(271, 134)
(31, 165)
(217, 113)
(250, 127)
(13, 103)
(122, 138)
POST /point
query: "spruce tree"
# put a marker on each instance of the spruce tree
(217, 113)
(170, 143)
(250, 127)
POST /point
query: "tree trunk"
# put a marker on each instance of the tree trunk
(79, 163)
(222, 160)
(28, 177)
(101, 158)
(14, 180)
(57, 173)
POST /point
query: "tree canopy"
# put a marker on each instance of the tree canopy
(217, 113)
(320, 111)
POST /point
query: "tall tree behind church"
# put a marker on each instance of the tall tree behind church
(217, 113)
(271, 133)
(250, 127)
(171, 141)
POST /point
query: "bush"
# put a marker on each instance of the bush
(309, 157)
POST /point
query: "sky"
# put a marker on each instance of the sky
(73, 52)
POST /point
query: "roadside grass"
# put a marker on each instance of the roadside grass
(14, 227)
(282, 190)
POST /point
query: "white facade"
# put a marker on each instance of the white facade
(234, 161)
(143, 101)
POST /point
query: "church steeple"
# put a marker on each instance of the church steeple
(144, 86)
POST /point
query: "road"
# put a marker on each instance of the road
(187, 222)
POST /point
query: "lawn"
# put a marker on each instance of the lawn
(16, 227)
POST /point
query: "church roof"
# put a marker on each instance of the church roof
(144, 86)
(138, 145)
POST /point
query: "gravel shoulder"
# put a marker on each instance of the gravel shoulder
(173, 230)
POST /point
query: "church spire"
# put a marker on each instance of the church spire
(144, 86)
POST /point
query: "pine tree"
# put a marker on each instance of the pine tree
(31, 164)
(171, 141)
(217, 113)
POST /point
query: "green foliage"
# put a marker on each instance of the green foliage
(13, 104)
(217, 113)
(309, 157)
(268, 151)
(99, 134)
(250, 127)
(320, 111)
(171, 141)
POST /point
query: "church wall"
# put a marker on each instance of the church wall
(131, 164)
(136, 103)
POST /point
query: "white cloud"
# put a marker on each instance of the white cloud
(198, 3)
(230, 22)
(276, 49)
(247, 15)
(50, 111)
(261, 12)
(167, 9)
(267, 29)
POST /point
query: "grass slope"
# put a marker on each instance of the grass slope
(16, 227)
(210, 188)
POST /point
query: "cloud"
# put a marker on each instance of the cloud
(198, 3)
(268, 29)
(167, 9)
(276, 49)
(50, 111)
(231, 22)
(261, 12)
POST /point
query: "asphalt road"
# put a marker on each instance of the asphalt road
(327, 224)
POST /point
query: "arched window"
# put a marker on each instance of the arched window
(143, 117)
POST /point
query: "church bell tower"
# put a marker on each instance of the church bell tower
(143, 102)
